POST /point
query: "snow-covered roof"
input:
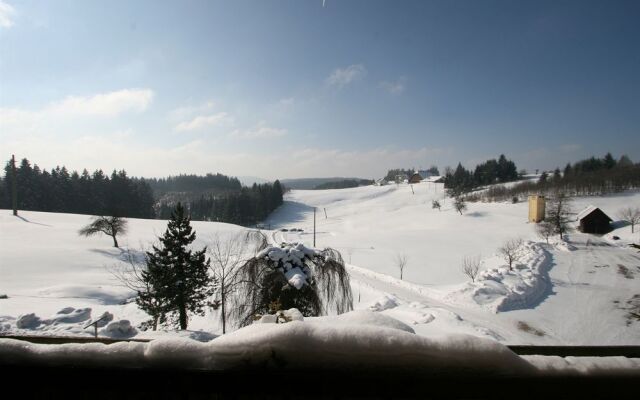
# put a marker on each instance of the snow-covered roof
(586, 211)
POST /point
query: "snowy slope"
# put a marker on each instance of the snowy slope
(572, 300)
(560, 293)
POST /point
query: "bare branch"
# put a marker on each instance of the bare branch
(511, 251)
(471, 266)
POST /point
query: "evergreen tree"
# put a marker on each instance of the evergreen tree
(178, 276)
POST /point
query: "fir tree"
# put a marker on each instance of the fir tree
(177, 276)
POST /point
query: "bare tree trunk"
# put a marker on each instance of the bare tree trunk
(115, 241)
(223, 309)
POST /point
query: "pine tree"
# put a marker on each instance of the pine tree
(177, 276)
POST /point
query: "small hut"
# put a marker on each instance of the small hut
(594, 220)
(415, 178)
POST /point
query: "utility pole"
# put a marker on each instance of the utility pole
(325, 213)
(314, 227)
(14, 185)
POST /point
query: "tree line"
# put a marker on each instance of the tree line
(120, 195)
(246, 206)
(344, 184)
(392, 173)
(589, 177)
(193, 183)
(59, 190)
(461, 180)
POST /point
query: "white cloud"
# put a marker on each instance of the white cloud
(73, 109)
(189, 111)
(341, 77)
(104, 104)
(394, 87)
(7, 12)
(204, 121)
(118, 151)
(260, 131)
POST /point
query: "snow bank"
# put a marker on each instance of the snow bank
(361, 340)
(386, 302)
(69, 321)
(364, 317)
(500, 289)
(585, 365)
(355, 340)
(119, 330)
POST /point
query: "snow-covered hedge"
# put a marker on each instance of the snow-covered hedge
(501, 289)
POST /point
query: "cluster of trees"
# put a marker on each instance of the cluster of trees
(461, 180)
(592, 176)
(194, 183)
(59, 190)
(247, 206)
(344, 184)
(173, 281)
(392, 173)
(208, 198)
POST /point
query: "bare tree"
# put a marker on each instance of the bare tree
(401, 262)
(460, 205)
(630, 215)
(111, 226)
(545, 230)
(471, 266)
(558, 213)
(436, 204)
(226, 255)
(132, 276)
(511, 251)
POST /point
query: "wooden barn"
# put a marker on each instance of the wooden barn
(415, 178)
(594, 220)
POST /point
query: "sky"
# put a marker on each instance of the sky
(291, 89)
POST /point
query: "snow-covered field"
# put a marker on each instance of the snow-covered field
(571, 292)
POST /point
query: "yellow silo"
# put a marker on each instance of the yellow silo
(536, 208)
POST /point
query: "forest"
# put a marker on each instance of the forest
(208, 198)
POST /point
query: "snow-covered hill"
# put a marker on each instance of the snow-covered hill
(563, 293)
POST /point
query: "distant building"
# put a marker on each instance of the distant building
(594, 220)
(415, 178)
(426, 174)
(381, 182)
(401, 178)
(536, 208)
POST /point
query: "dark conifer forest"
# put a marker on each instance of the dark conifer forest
(208, 198)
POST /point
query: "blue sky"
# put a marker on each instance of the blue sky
(282, 89)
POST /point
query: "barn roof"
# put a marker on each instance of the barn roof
(582, 214)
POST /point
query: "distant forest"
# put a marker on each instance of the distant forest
(208, 198)
(592, 176)
(344, 184)
(461, 180)
(392, 173)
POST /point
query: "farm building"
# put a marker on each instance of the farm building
(536, 208)
(593, 220)
(415, 178)
(400, 178)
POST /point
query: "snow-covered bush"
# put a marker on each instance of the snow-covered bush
(295, 276)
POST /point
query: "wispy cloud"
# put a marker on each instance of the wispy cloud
(341, 77)
(204, 121)
(7, 12)
(102, 105)
(189, 111)
(260, 131)
(394, 87)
